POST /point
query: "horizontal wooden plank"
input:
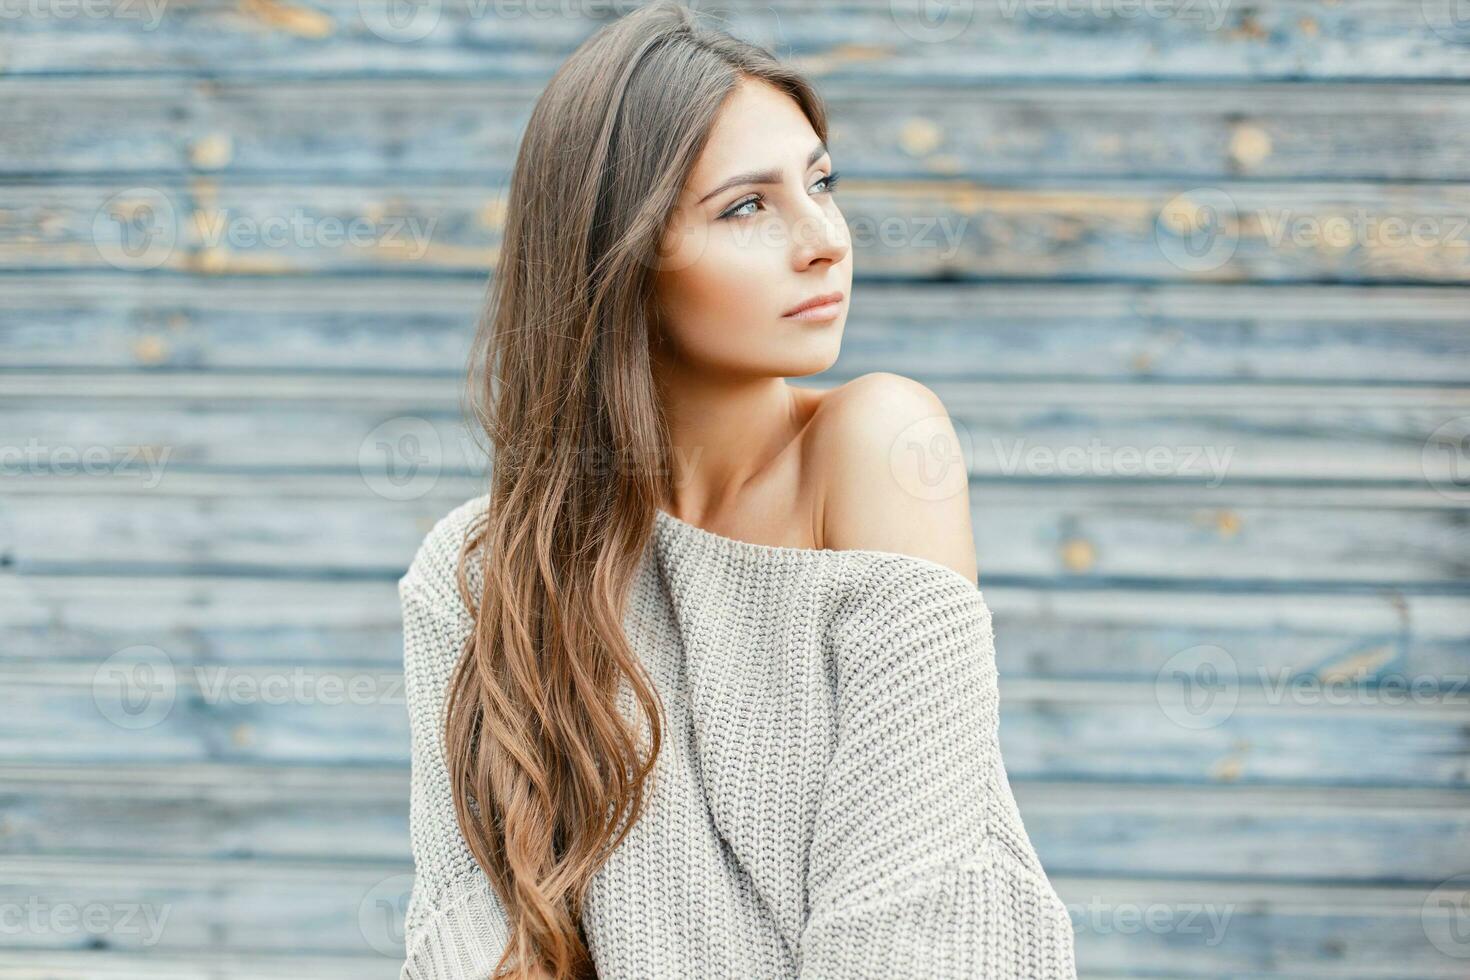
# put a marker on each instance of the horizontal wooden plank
(241, 812)
(199, 619)
(172, 905)
(333, 128)
(1239, 832)
(138, 706)
(226, 812)
(150, 427)
(199, 965)
(1162, 732)
(1194, 928)
(1130, 929)
(1097, 535)
(1026, 228)
(1060, 331)
(987, 41)
(1393, 638)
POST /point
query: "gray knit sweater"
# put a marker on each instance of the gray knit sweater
(829, 801)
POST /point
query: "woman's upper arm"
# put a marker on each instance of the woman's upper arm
(455, 925)
(919, 864)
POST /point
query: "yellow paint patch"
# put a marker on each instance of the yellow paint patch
(1356, 666)
(841, 56)
(1249, 145)
(1185, 216)
(1249, 28)
(212, 260)
(945, 163)
(919, 136)
(205, 191)
(1227, 770)
(212, 152)
(51, 224)
(1078, 555)
(150, 349)
(217, 261)
(1226, 522)
(492, 213)
(972, 198)
(301, 21)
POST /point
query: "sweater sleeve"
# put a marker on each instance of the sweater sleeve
(919, 864)
(455, 925)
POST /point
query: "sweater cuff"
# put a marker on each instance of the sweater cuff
(462, 939)
(991, 917)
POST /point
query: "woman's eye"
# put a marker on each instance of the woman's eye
(827, 183)
(735, 209)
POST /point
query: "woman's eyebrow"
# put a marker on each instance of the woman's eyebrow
(764, 176)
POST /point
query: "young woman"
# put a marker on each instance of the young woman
(757, 740)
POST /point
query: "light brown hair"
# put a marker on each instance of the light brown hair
(548, 772)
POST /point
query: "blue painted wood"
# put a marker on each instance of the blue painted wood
(326, 129)
(1189, 435)
(241, 812)
(1097, 229)
(988, 41)
(141, 705)
(1189, 928)
(1059, 332)
(1067, 149)
(1047, 534)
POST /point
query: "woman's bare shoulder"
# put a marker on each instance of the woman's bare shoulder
(891, 472)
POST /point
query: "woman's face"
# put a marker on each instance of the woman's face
(756, 232)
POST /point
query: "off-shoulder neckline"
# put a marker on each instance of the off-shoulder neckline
(791, 554)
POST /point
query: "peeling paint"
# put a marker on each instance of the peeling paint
(301, 21)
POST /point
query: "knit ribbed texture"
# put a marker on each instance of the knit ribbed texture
(830, 800)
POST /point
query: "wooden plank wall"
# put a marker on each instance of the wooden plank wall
(1204, 264)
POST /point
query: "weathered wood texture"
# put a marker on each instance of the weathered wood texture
(1192, 278)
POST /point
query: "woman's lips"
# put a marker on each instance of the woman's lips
(826, 311)
(830, 307)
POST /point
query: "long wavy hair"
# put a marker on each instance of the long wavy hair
(549, 773)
